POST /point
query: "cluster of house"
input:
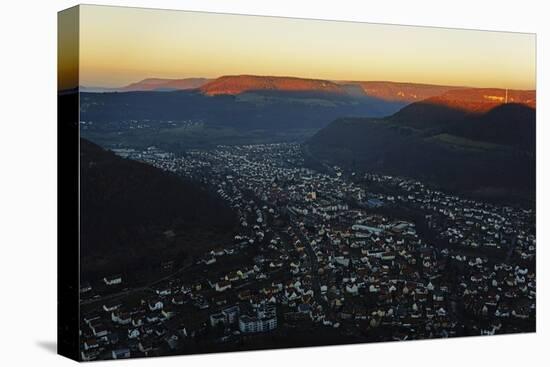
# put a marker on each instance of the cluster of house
(121, 329)
(466, 222)
(316, 249)
(123, 126)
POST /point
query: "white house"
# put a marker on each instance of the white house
(133, 333)
(113, 280)
(155, 305)
(222, 286)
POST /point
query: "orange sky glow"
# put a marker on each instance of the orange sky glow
(120, 45)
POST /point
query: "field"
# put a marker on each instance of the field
(178, 139)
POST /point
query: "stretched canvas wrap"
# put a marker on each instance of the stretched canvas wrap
(233, 182)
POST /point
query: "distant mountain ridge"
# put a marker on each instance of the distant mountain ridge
(238, 84)
(245, 102)
(400, 92)
(150, 84)
(481, 100)
(455, 105)
(389, 91)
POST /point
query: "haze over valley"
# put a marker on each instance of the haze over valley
(444, 134)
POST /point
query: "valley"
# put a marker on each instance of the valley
(250, 212)
(348, 258)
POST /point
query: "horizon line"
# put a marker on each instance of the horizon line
(305, 78)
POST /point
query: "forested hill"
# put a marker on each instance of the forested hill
(490, 155)
(134, 216)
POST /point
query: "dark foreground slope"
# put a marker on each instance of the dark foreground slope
(490, 154)
(134, 216)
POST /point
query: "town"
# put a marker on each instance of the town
(321, 257)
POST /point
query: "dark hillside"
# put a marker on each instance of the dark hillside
(490, 153)
(135, 215)
(426, 115)
(509, 124)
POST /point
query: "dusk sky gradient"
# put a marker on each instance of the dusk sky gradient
(120, 45)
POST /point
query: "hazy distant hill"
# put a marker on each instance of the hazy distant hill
(382, 90)
(238, 84)
(151, 84)
(479, 100)
(92, 89)
(486, 153)
(165, 84)
(401, 92)
(128, 207)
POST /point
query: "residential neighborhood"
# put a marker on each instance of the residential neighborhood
(320, 257)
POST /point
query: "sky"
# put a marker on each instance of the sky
(121, 45)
